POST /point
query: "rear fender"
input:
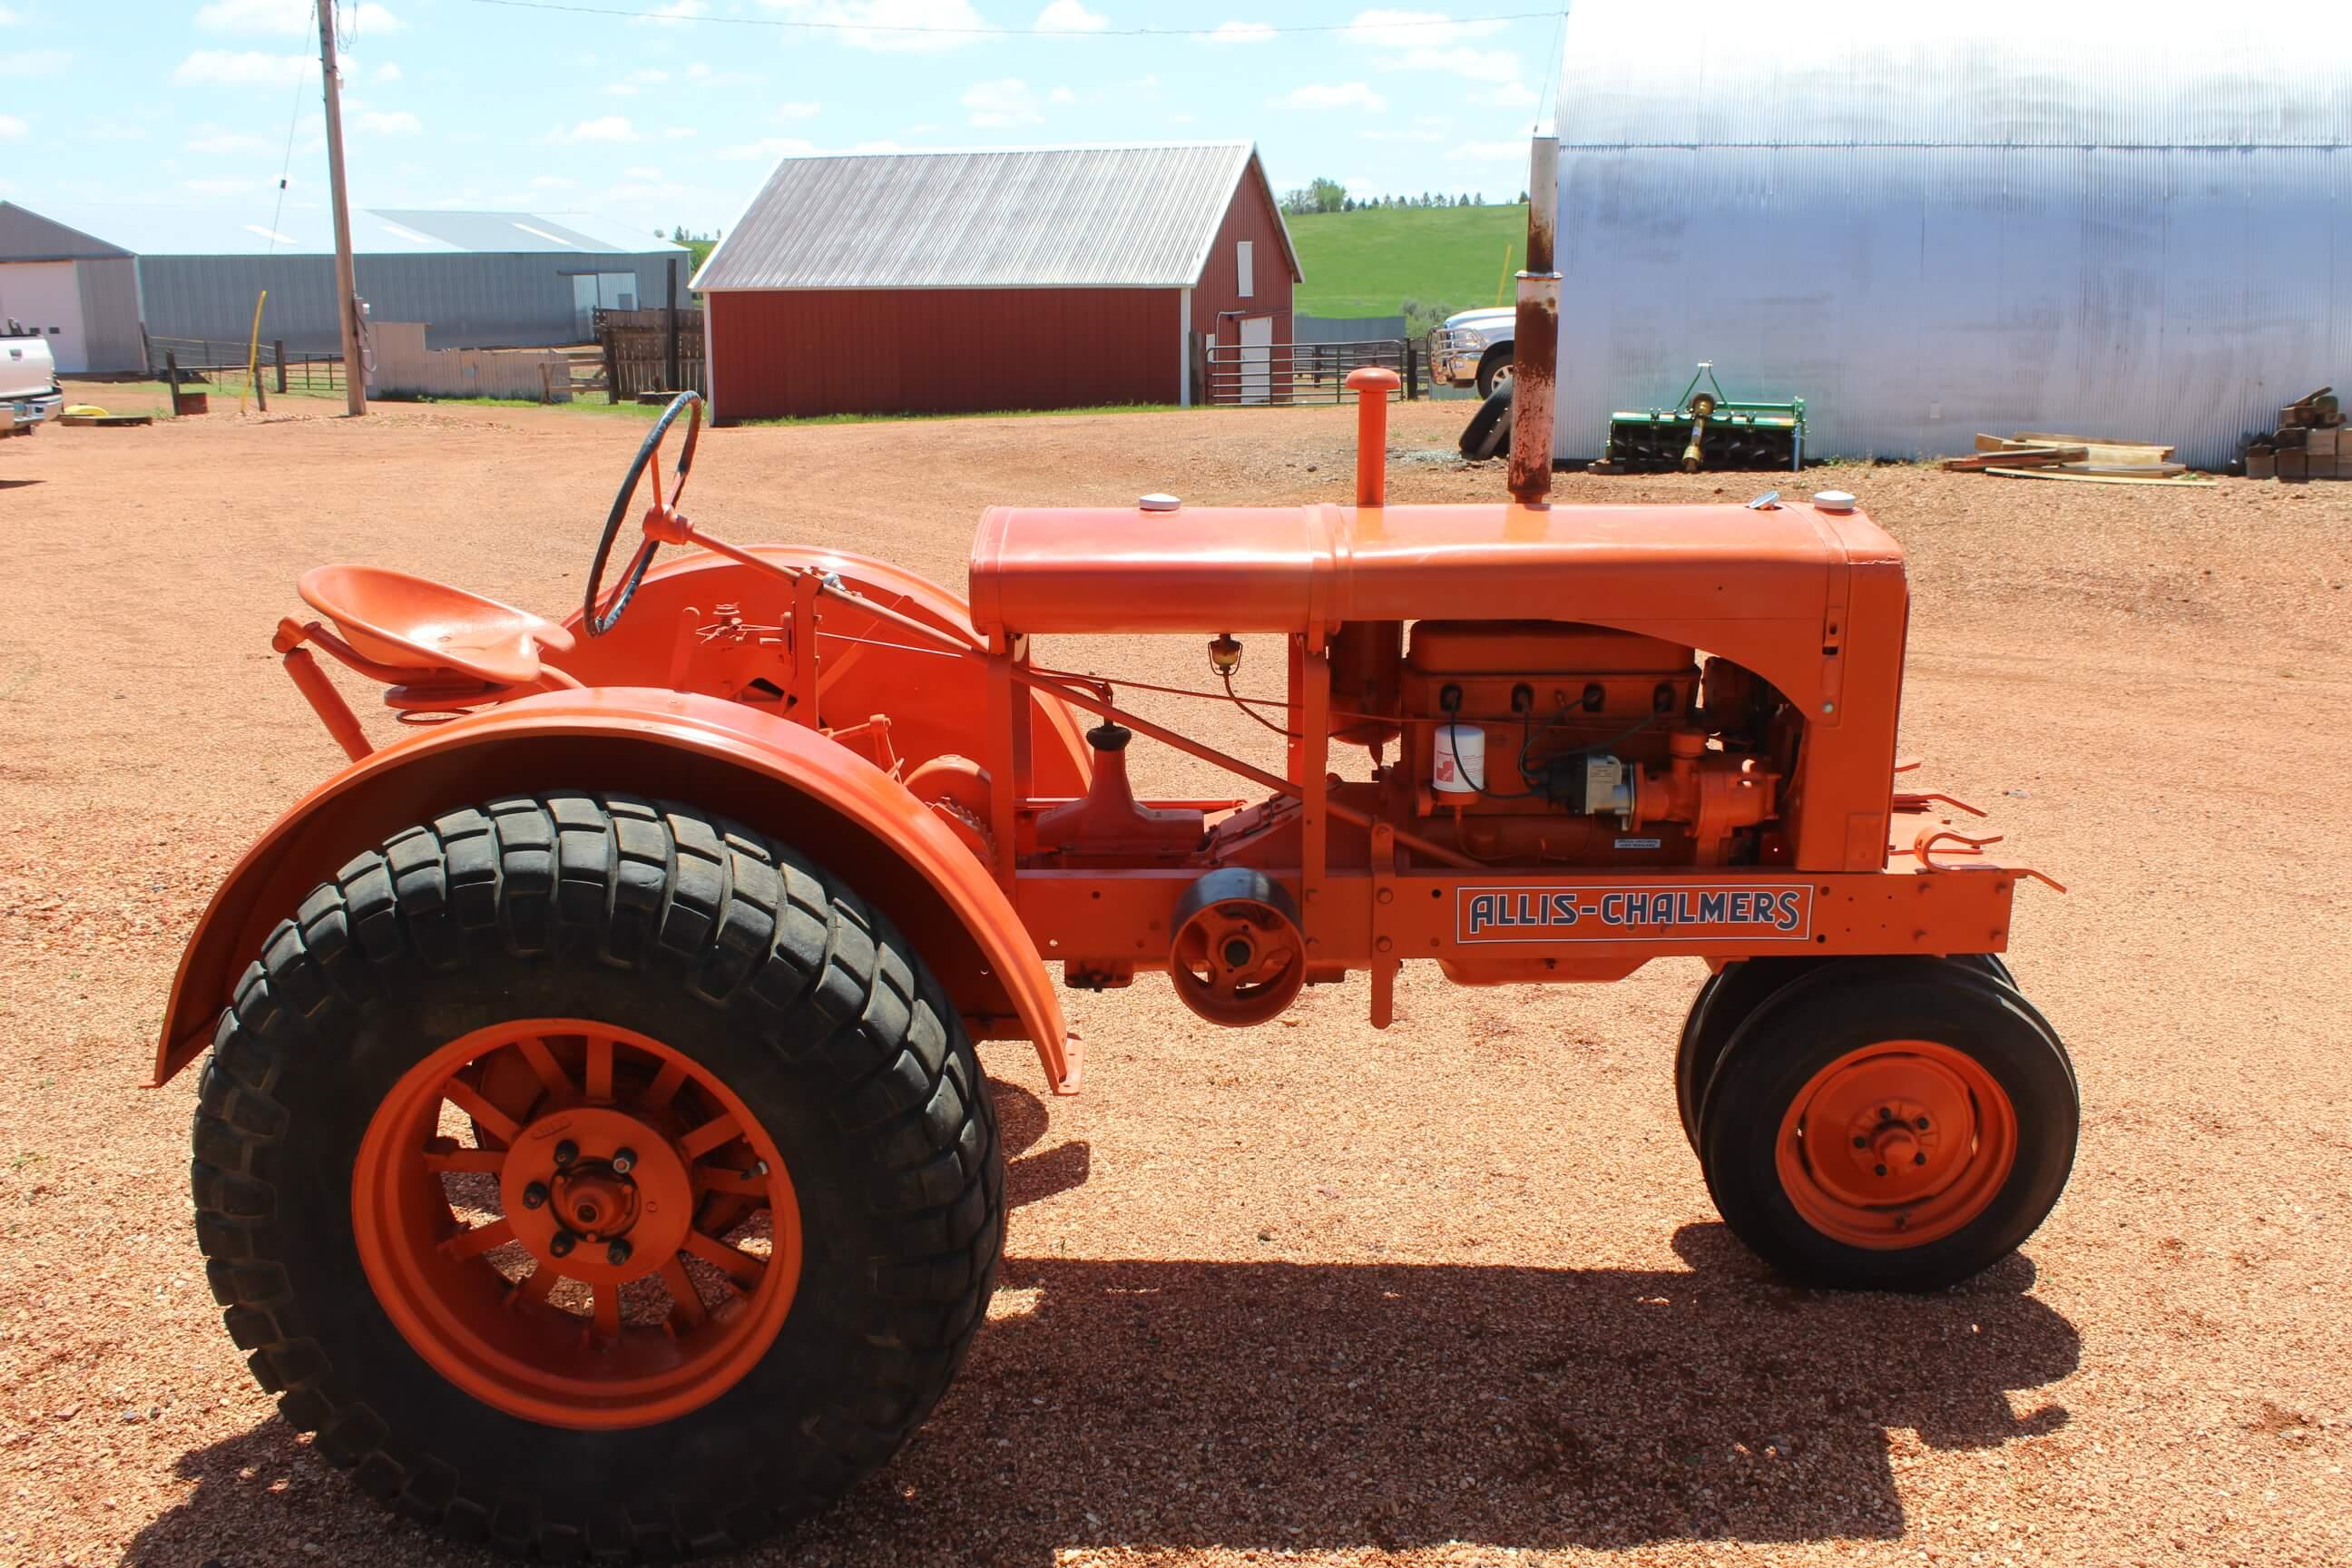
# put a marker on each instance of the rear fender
(781, 778)
(933, 698)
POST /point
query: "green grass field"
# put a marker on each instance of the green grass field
(1369, 263)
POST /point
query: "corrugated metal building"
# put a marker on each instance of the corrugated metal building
(78, 291)
(1930, 223)
(956, 282)
(476, 279)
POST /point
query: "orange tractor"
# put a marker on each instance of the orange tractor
(592, 1151)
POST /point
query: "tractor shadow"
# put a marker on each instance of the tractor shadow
(1344, 1407)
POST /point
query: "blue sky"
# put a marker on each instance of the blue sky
(673, 112)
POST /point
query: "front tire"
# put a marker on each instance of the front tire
(1494, 369)
(681, 1046)
(1889, 1124)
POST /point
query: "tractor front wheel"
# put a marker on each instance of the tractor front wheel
(1889, 1124)
(596, 1178)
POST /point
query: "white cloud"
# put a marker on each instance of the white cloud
(641, 172)
(387, 73)
(1241, 33)
(1475, 65)
(637, 82)
(1415, 29)
(1513, 95)
(291, 17)
(388, 122)
(766, 150)
(672, 12)
(1069, 16)
(217, 188)
(1333, 95)
(1515, 153)
(110, 130)
(1006, 100)
(8, 18)
(678, 132)
(903, 26)
(802, 110)
(241, 66)
(1061, 95)
(211, 139)
(12, 128)
(26, 64)
(604, 128)
(552, 182)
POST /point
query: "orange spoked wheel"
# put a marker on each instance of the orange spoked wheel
(1889, 1124)
(597, 1177)
(576, 1224)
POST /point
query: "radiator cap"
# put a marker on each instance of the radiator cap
(1158, 501)
(1832, 501)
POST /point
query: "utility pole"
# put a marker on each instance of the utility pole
(346, 285)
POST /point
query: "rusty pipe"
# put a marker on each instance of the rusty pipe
(1372, 386)
(1535, 338)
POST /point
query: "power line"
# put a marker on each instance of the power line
(1255, 29)
(1559, 42)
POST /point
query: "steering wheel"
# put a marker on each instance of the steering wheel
(664, 512)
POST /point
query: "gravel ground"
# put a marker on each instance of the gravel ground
(1453, 1293)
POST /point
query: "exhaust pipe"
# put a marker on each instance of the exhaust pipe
(1535, 341)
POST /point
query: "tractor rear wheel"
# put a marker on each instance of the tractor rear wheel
(1725, 1000)
(596, 1178)
(1889, 1124)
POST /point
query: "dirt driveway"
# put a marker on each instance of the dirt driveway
(1453, 1293)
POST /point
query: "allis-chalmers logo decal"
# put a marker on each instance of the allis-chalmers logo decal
(1616, 912)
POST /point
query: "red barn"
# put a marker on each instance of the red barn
(964, 282)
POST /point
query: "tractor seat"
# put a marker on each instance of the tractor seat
(417, 625)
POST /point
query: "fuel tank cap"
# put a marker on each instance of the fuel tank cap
(1832, 501)
(1158, 501)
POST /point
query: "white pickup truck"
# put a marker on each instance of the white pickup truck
(1474, 349)
(29, 393)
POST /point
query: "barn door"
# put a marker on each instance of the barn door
(1257, 359)
(46, 297)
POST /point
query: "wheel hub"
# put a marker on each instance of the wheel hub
(609, 1178)
(1897, 1145)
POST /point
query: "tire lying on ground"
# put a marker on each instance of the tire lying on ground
(596, 1178)
(1489, 430)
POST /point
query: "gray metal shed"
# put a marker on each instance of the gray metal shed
(476, 279)
(79, 291)
(1930, 223)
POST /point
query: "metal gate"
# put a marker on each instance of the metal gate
(1290, 374)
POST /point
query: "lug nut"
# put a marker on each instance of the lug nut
(1918, 1158)
(617, 1254)
(1879, 1169)
(1883, 1115)
(624, 1161)
(567, 1150)
(1861, 1142)
(1921, 1124)
(562, 1243)
(535, 1196)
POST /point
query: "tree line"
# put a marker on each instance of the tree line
(1331, 196)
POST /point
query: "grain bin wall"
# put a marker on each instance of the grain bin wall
(1929, 226)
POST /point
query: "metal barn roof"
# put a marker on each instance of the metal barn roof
(171, 230)
(1049, 218)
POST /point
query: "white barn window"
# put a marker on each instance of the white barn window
(1246, 265)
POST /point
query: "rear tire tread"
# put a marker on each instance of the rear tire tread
(756, 922)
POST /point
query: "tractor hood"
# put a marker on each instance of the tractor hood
(1296, 569)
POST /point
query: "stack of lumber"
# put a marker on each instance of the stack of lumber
(2312, 442)
(2040, 455)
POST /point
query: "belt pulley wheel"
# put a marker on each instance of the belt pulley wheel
(1238, 957)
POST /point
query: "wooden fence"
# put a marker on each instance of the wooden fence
(652, 351)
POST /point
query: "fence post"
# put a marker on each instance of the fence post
(1412, 370)
(171, 375)
(1202, 395)
(277, 347)
(670, 362)
(607, 333)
